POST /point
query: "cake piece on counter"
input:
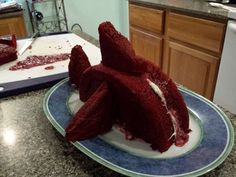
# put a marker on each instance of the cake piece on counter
(9, 39)
(7, 53)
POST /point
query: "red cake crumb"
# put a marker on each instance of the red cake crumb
(128, 135)
(30, 47)
(38, 60)
(49, 68)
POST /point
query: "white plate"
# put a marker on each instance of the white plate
(215, 139)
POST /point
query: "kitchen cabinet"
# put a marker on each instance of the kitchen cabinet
(13, 24)
(190, 67)
(187, 48)
(147, 39)
(147, 45)
(192, 51)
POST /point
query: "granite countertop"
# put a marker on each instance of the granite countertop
(13, 13)
(35, 148)
(194, 7)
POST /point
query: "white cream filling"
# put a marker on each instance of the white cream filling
(158, 91)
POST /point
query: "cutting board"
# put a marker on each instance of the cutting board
(19, 81)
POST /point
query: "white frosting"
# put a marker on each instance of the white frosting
(158, 91)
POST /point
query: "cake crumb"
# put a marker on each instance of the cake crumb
(49, 68)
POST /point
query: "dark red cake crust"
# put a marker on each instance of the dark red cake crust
(93, 118)
(78, 63)
(7, 54)
(8, 40)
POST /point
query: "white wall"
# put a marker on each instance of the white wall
(26, 17)
(90, 13)
(45, 8)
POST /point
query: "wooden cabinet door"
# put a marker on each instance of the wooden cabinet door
(206, 34)
(146, 45)
(13, 25)
(191, 68)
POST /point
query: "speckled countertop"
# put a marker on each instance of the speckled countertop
(34, 148)
(197, 7)
(11, 14)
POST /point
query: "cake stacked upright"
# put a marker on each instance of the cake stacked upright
(7, 49)
(126, 90)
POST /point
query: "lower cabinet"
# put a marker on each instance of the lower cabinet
(191, 68)
(13, 25)
(147, 45)
(186, 47)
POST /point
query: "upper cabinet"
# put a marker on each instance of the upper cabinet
(187, 48)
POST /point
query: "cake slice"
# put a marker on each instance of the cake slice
(7, 54)
(93, 118)
(8, 40)
(78, 63)
(117, 51)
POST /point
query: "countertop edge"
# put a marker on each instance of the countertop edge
(11, 14)
(193, 12)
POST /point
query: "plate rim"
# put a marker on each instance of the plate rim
(92, 155)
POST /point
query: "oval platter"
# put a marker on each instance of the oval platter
(216, 139)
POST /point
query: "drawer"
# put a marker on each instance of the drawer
(203, 33)
(146, 18)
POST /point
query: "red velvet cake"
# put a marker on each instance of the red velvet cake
(8, 40)
(126, 90)
(7, 53)
(78, 63)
